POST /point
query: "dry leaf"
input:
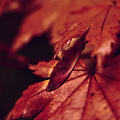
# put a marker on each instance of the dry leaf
(38, 22)
(82, 96)
(103, 20)
(63, 68)
(36, 95)
(43, 69)
(75, 91)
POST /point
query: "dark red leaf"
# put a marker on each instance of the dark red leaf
(89, 92)
(63, 68)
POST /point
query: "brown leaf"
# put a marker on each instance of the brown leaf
(43, 69)
(103, 34)
(103, 20)
(109, 82)
(35, 99)
(63, 68)
(47, 16)
(89, 92)
(83, 96)
(38, 22)
(24, 106)
(77, 18)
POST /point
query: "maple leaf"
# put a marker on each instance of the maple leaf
(89, 92)
(35, 93)
(66, 65)
(38, 22)
(43, 69)
(103, 20)
(84, 95)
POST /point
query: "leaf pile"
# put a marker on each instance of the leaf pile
(78, 86)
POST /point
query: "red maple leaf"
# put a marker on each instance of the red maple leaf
(84, 95)
(79, 88)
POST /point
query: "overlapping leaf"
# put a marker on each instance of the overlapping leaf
(38, 21)
(103, 20)
(43, 69)
(82, 96)
(36, 95)
(90, 93)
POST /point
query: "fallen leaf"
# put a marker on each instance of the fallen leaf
(83, 96)
(63, 68)
(29, 104)
(103, 20)
(43, 69)
(38, 22)
(89, 92)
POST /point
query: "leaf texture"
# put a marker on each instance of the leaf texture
(82, 96)
(43, 69)
(37, 93)
(77, 89)
(63, 68)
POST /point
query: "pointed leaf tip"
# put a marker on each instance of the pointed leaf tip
(64, 68)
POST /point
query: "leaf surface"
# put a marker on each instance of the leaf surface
(36, 94)
(82, 96)
(103, 20)
(89, 92)
(38, 21)
(43, 69)
(63, 68)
